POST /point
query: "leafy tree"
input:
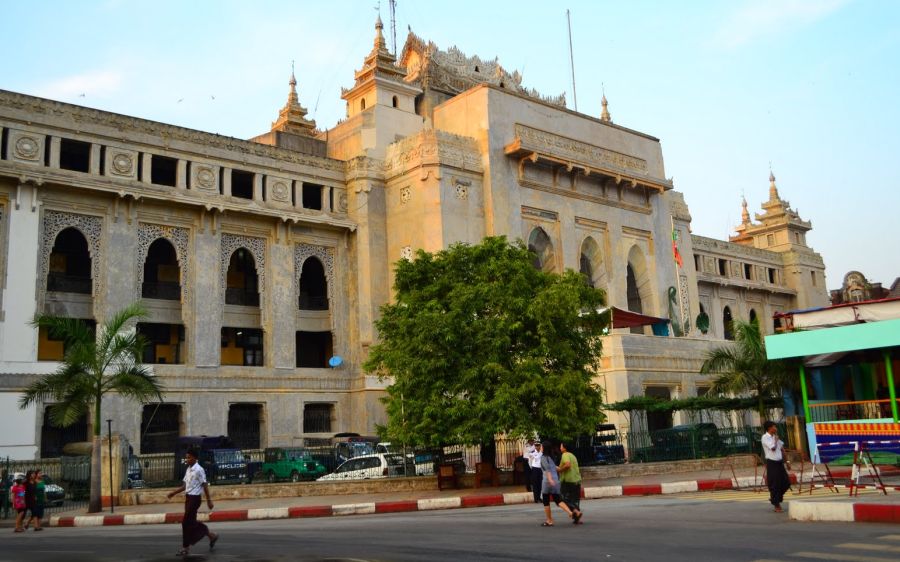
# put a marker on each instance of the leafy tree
(743, 367)
(93, 366)
(480, 342)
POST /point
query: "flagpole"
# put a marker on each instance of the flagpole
(677, 277)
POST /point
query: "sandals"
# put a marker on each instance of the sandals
(212, 541)
(576, 518)
(183, 552)
(546, 524)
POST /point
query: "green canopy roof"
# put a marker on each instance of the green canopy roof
(841, 339)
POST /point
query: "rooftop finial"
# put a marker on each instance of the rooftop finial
(745, 214)
(604, 113)
(292, 96)
(380, 43)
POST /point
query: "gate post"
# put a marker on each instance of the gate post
(107, 495)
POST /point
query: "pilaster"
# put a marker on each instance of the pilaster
(19, 293)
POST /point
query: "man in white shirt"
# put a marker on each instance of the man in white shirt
(537, 474)
(776, 475)
(194, 483)
(526, 456)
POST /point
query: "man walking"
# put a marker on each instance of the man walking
(537, 474)
(526, 459)
(194, 482)
(570, 482)
(776, 476)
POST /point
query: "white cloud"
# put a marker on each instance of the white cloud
(95, 83)
(759, 18)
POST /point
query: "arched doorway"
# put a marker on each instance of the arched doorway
(591, 264)
(313, 286)
(162, 274)
(242, 281)
(540, 245)
(70, 264)
(728, 323)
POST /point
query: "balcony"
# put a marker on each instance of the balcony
(241, 297)
(161, 291)
(820, 411)
(62, 283)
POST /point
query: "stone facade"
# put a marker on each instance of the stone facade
(436, 148)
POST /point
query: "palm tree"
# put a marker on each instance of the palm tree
(743, 366)
(92, 367)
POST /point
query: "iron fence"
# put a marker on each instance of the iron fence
(67, 482)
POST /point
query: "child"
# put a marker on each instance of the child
(18, 500)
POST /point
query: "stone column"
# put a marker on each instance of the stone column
(19, 295)
(282, 303)
(95, 159)
(54, 148)
(110, 486)
(226, 181)
(205, 333)
(181, 174)
(146, 167)
(258, 188)
(120, 284)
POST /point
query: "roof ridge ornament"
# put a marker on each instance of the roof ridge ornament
(604, 113)
(292, 117)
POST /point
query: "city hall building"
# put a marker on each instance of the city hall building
(260, 260)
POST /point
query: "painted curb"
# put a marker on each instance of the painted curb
(798, 510)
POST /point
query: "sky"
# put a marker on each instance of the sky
(809, 87)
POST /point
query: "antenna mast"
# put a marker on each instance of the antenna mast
(393, 5)
(571, 59)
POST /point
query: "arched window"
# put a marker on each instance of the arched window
(727, 322)
(70, 264)
(591, 264)
(753, 317)
(395, 102)
(242, 287)
(637, 285)
(162, 276)
(540, 245)
(362, 104)
(313, 286)
(634, 296)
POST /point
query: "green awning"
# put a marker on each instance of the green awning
(870, 335)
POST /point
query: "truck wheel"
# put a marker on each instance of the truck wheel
(295, 476)
(271, 476)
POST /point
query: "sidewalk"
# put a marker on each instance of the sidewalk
(819, 507)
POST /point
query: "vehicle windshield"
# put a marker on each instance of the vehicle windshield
(361, 449)
(394, 460)
(232, 456)
(296, 454)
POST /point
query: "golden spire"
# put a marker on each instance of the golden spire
(773, 189)
(745, 214)
(292, 117)
(604, 114)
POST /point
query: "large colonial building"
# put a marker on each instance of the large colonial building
(260, 260)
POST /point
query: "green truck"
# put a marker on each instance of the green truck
(295, 463)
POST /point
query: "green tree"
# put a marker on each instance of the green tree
(742, 367)
(480, 342)
(93, 366)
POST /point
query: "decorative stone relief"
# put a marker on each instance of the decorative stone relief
(304, 251)
(406, 253)
(91, 227)
(342, 201)
(204, 177)
(405, 195)
(278, 189)
(257, 247)
(462, 189)
(121, 163)
(180, 239)
(26, 147)
(685, 303)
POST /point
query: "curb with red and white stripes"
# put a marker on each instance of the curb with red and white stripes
(870, 512)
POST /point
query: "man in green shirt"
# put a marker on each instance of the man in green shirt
(570, 482)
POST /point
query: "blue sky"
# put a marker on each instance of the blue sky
(728, 86)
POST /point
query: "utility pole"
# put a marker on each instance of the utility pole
(393, 5)
(571, 60)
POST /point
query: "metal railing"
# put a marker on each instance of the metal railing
(67, 482)
(62, 283)
(241, 297)
(850, 410)
(308, 302)
(161, 290)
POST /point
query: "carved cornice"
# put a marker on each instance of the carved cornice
(364, 168)
(453, 72)
(732, 250)
(37, 107)
(678, 207)
(434, 148)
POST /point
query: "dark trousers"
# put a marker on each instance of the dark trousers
(191, 529)
(571, 494)
(537, 477)
(777, 480)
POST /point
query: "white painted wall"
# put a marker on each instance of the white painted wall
(17, 429)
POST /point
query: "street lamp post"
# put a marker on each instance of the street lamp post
(112, 499)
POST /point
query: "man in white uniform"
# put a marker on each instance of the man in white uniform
(776, 475)
(194, 482)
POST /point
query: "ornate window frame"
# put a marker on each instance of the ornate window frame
(90, 226)
(324, 254)
(180, 238)
(257, 247)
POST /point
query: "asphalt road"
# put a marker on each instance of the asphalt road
(690, 527)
